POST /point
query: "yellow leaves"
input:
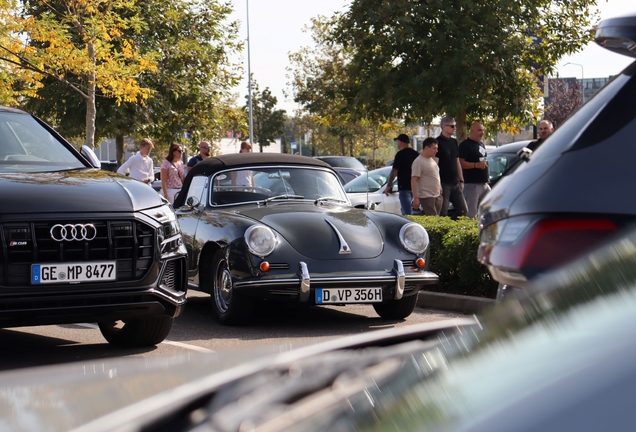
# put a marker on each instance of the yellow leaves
(87, 38)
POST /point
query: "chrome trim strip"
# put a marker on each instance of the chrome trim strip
(426, 277)
(344, 247)
(305, 283)
(398, 269)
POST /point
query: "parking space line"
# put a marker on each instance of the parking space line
(166, 341)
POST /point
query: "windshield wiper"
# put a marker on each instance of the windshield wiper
(284, 196)
(323, 199)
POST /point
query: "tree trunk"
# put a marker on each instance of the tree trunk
(342, 145)
(461, 131)
(119, 150)
(91, 111)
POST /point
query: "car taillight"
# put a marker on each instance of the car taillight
(521, 243)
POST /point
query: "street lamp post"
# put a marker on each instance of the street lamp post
(582, 78)
(249, 75)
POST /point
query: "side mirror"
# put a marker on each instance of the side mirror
(394, 188)
(192, 201)
(90, 156)
(370, 205)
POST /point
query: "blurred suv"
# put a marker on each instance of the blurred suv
(574, 192)
(80, 244)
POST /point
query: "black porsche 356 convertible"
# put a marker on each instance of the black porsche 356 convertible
(280, 227)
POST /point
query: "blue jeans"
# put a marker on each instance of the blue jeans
(406, 199)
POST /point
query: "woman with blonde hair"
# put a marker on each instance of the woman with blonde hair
(172, 174)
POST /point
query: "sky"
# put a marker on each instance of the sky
(276, 29)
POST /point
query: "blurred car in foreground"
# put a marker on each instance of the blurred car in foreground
(562, 360)
(573, 193)
(371, 187)
(280, 227)
(80, 244)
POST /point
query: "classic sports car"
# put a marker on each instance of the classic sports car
(280, 227)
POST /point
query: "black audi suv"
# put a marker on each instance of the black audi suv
(80, 244)
(573, 193)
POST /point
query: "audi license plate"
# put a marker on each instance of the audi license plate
(74, 272)
(348, 295)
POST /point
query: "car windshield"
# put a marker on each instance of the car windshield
(275, 183)
(26, 146)
(376, 179)
(498, 163)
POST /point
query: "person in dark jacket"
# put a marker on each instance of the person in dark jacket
(402, 169)
(450, 171)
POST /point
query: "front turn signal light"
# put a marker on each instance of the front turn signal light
(420, 262)
(264, 266)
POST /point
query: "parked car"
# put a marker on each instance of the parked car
(287, 232)
(573, 193)
(343, 162)
(80, 244)
(345, 175)
(375, 183)
(501, 159)
(562, 360)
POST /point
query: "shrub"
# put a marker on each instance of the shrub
(453, 256)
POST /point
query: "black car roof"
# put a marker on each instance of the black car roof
(215, 164)
(12, 110)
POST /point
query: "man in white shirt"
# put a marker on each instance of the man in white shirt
(425, 180)
(140, 165)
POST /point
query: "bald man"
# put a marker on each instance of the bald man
(472, 158)
(545, 130)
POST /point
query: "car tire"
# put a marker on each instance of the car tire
(139, 332)
(396, 309)
(229, 307)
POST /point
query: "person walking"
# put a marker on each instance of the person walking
(402, 169)
(139, 165)
(450, 171)
(472, 158)
(204, 152)
(172, 174)
(425, 180)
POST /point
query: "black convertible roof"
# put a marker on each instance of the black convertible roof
(215, 164)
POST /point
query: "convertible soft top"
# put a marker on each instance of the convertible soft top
(215, 164)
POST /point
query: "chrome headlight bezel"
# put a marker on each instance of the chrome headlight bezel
(414, 238)
(269, 242)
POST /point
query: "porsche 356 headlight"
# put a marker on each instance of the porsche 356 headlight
(414, 238)
(260, 240)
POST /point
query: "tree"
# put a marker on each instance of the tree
(565, 97)
(421, 59)
(190, 85)
(82, 44)
(269, 123)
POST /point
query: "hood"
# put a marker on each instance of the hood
(86, 190)
(315, 230)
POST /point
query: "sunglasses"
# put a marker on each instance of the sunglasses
(451, 126)
(178, 151)
(206, 147)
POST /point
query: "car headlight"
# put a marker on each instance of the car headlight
(260, 240)
(169, 235)
(414, 238)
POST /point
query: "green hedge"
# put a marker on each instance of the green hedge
(453, 257)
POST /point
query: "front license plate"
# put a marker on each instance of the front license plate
(348, 295)
(74, 272)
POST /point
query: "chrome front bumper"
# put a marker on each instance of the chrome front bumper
(302, 280)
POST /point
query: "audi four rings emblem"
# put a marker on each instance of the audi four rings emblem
(70, 232)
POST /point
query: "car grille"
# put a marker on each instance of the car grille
(173, 274)
(130, 243)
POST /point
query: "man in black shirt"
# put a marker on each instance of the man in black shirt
(472, 158)
(545, 130)
(450, 171)
(402, 169)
